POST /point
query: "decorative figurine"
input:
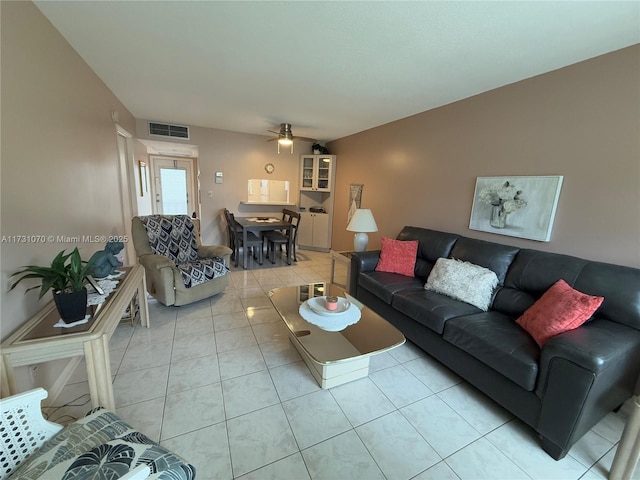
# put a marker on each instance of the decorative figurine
(105, 261)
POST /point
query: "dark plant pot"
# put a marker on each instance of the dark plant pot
(72, 306)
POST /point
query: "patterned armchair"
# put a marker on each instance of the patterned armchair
(99, 445)
(178, 269)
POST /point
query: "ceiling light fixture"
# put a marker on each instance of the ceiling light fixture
(285, 136)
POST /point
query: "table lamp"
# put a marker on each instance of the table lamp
(361, 223)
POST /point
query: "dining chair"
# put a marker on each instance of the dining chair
(234, 229)
(281, 237)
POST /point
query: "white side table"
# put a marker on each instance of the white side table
(626, 459)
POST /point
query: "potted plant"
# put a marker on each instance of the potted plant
(317, 148)
(65, 278)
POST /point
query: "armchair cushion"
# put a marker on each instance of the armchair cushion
(202, 270)
(101, 445)
(174, 237)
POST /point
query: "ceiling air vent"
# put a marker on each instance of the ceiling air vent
(165, 130)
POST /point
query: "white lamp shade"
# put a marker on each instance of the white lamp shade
(362, 221)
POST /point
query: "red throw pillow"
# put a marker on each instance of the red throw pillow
(397, 256)
(560, 309)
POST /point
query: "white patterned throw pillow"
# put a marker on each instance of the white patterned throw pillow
(463, 281)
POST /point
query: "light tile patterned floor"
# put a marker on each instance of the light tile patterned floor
(219, 383)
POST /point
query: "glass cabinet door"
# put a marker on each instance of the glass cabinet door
(324, 167)
(307, 172)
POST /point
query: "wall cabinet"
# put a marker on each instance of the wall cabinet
(316, 172)
(317, 177)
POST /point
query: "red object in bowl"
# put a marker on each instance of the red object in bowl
(332, 303)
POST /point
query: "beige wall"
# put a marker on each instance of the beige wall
(60, 170)
(581, 121)
(239, 156)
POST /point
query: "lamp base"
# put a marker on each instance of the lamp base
(360, 241)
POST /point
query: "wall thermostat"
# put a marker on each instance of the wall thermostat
(219, 177)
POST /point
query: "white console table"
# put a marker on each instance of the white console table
(628, 452)
(39, 341)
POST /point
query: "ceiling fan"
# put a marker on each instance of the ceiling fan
(286, 137)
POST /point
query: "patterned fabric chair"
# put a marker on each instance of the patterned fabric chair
(178, 269)
(99, 445)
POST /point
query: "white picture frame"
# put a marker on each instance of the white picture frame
(517, 206)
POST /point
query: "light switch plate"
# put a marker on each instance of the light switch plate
(219, 177)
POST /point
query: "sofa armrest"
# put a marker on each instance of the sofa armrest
(161, 274)
(155, 262)
(365, 261)
(597, 346)
(361, 262)
(584, 374)
(209, 251)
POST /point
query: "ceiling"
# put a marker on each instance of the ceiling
(330, 68)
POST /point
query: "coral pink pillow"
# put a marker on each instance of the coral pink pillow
(397, 256)
(560, 309)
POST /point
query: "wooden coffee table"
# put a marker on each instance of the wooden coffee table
(334, 358)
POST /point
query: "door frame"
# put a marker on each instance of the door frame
(127, 188)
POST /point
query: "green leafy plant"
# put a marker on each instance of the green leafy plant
(66, 273)
(317, 146)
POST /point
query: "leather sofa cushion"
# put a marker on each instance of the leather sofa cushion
(497, 341)
(531, 274)
(429, 308)
(533, 271)
(493, 256)
(512, 302)
(431, 246)
(385, 285)
(619, 287)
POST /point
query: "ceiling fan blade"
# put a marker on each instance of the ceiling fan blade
(272, 139)
(306, 139)
(277, 133)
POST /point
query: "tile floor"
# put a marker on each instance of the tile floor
(219, 383)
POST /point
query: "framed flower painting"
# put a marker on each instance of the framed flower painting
(516, 206)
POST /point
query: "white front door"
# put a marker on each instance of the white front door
(173, 186)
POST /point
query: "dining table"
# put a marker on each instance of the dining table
(263, 224)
